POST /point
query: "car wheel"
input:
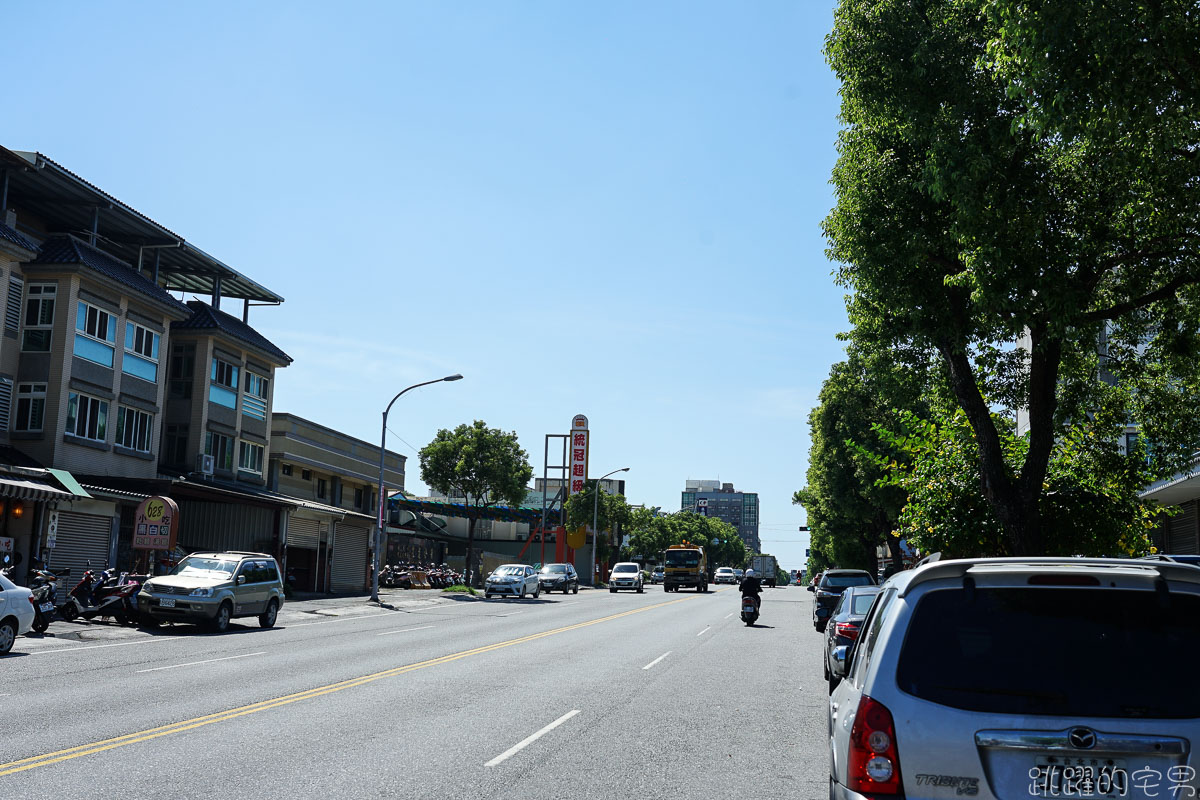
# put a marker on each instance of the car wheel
(267, 618)
(575, 589)
(8, 635)
(537, 592)
(522, 592)
(612, 591)
(220, 623)
(640, 589)
(487, 595)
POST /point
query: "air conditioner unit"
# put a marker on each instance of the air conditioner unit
(204, 464)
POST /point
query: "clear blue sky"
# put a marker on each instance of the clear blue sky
(602, 208)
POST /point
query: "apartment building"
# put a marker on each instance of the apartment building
(721, 500)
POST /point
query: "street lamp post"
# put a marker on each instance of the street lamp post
(379, 522)
(596, 518)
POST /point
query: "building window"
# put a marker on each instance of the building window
(321, 488)
(221, 449)
(133, 429)
(31, 406)
(224, 382)
(306, 474)
(39, 317)
(141, 352)
(358, 498)
(12, 312)
(250, 457)
(87, 417)
(177, 445)
(95, 332)
(254, 403)
(183, 366)
(286, 469)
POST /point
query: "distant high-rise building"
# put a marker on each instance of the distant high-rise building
(720, 500)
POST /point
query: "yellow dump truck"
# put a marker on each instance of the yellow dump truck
(685, 565)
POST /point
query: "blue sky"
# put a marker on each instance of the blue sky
(602, 208)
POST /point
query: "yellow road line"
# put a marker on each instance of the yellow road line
(253, 708)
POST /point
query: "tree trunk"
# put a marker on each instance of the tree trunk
(897, 552)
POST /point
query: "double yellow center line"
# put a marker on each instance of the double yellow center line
(92, 748)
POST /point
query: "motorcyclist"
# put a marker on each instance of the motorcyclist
(752, 586)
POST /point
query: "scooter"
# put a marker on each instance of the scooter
(91, 598)
(749, 609)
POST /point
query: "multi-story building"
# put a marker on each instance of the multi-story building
(720, 500)
(107, 377)
(337, 476)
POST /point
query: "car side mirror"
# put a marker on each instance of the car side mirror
(241, 579)
(839, 661)
(812, 588)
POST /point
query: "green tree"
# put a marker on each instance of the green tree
(975, 211)
(850, 512)
(486, 466)
(612, 511)
(650, 535)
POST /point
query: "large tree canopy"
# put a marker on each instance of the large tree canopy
(976, 210)
(486, 466)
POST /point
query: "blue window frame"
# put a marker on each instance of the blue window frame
(223, 383)
(141, 352)
(95, 333)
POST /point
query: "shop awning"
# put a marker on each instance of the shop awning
(29, 489)
(69, 483)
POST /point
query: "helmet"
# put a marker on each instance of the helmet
(749, 573)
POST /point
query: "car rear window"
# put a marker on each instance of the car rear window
(1055, 651)
(842, 581)
(862, 603)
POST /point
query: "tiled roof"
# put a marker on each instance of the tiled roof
(69, 250)
(9, 235)
(205, 317)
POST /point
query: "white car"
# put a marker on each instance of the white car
(514, 580)
(16, 613)
(724, 575)
(626, 575)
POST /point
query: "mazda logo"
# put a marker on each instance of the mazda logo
(1082, 738)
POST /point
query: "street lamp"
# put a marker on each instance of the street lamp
(383, 491)
(596, 518)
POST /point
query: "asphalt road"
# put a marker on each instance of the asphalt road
(651, 696)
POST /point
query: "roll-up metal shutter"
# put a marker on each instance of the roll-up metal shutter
(1181, 536)
(81, 538)
(303, 533)
(349, 558)
(225, 526)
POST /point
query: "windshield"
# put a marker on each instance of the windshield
(842, 581)
(509, 570)
(1089, 654)
(205, 568)
(625, 568)
(682, 558)
(725, 570)
(546, 570)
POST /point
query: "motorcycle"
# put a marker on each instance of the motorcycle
(100, 593)
(44, 585)
(749, 609)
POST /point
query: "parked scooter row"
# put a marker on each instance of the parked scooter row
(408, 576)
(99, 593)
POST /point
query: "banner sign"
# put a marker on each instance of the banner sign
(156, 524)
(579, 454)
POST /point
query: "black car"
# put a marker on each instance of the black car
(844, 623)
(559, 577)
(833, 583)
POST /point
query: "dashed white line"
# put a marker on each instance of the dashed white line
(706, 630)
(98, 646)
(655, 661)
(208, 661)
(521, 745)
(404, 630)
(511, 613)
(730, 614)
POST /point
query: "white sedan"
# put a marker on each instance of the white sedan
(16, 613)
(724, 575)
(626, 575)
(513, 580)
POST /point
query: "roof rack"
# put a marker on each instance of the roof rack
(958, 568)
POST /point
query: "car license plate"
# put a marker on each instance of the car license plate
(167, 602)
(46, 607)
(1078, 778)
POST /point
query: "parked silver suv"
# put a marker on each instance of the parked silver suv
(213, 588)
(1063, 678)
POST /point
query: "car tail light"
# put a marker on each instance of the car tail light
(847, 629)
(32, 601)
(874, 764)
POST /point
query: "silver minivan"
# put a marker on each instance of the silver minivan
(1064, 678)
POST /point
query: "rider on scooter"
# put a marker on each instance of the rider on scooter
(751, 586)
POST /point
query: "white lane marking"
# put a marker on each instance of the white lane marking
(404, 630)
(98, 646)
(569, 603)
(511, 614)
(521, 745)
(706, 630)
(730, 614)
(207, 661)
(655, 661)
